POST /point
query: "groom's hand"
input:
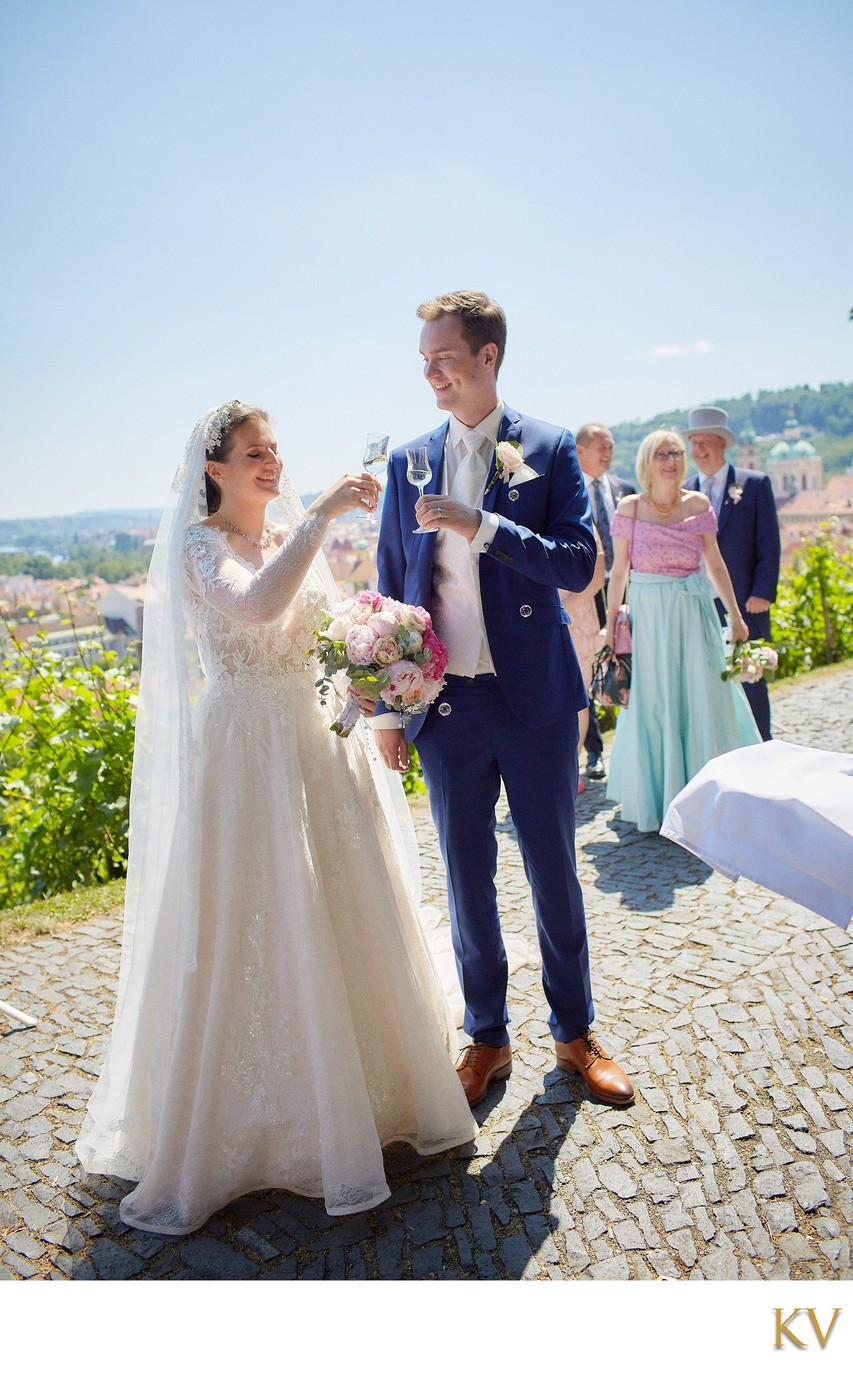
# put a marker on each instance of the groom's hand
(393, 748)
(436, 513)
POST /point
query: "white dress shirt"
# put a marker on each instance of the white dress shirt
(713, 485)
(606, 494)
(457, 611)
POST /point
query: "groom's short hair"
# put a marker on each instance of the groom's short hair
(481, 319)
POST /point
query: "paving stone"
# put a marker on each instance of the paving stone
(577, 1257)
(780, 1216)
(25, 1244)
(208, 1257)
(628, 1236)
(720, 1264)
(617, 1180)
(810, 1192)
(796, 1247)
(585, 1176)
(768, 1184)
(826, 1228)
(669, 1153)
(612, 1269)
(684, 1246)
(527, 1198)
(674, 1217)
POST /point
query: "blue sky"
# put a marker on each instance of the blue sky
(209, 200)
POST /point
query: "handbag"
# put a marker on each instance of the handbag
(611, 678)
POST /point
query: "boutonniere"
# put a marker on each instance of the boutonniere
(735, 492)
(509, 464)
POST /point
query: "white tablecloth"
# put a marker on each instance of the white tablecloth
(780, 815)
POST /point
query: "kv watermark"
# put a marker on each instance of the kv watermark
(785, 1331)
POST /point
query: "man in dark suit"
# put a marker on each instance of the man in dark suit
(748, 532)
(503, 524)
(604, 489)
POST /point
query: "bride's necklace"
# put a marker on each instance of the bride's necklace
(262, 544)
(665, 511)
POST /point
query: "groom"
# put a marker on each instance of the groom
(507, 523)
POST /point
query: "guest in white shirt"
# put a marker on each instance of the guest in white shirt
(604, 489)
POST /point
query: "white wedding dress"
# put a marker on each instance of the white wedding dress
(289, 1022)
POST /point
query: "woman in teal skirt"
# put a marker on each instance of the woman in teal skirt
(681, 712)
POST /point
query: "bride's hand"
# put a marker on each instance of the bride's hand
(367, 705)
(351, 491)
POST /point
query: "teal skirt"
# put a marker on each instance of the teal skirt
(681, 713)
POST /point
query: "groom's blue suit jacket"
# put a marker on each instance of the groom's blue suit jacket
(545, 541)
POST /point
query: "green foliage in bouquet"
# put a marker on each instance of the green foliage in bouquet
(66, 748)
(812, 618)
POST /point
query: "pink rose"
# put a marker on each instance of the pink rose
(359, 643)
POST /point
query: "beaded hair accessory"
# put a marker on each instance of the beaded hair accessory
(218, 424)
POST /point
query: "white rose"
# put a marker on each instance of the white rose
(337, 630)
(509, 456)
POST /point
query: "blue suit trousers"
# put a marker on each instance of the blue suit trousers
(465, 754)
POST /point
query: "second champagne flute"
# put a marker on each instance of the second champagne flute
(419, 473)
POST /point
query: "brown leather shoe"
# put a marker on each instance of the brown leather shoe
(479, 1065)
(602, 1077)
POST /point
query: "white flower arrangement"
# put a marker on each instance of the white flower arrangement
(735, 492)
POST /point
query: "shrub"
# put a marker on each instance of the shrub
(812, 617)
(66, 748)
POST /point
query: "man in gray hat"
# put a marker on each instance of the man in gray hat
(748, 532)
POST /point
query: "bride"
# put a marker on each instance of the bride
(278, 1017)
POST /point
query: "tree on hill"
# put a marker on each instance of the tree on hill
(829, 409)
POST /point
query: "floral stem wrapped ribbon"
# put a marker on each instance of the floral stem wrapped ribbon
(750, 661)
(387, 650)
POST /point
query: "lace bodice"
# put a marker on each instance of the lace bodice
(673, 549)
(252, 622)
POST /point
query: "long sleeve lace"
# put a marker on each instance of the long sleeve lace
(243, 594)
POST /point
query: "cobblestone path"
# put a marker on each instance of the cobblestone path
(729, 1007)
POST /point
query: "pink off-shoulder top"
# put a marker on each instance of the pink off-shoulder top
(674, 549)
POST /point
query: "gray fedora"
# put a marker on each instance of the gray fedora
(709, 420)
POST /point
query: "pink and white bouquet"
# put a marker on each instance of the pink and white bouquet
(387, 650)
(750, 661)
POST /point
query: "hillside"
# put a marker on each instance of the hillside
(828, 409)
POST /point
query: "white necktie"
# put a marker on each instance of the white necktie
(467, 486)
(457, 611)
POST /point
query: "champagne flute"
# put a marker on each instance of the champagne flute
(419, 473)
(375, 459)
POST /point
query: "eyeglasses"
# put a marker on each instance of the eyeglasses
(667, 454)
